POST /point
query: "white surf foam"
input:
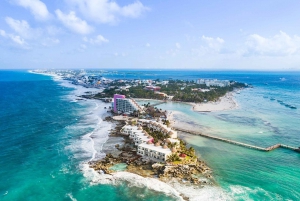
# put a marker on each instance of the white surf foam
(89, 145)
(133, 180)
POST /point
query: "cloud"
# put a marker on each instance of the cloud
(36, 7)
(15, 38)
(20, 26)
(279, 45)
(210, 47)
(74, 23)
(2, 33)
(106, 11)
(178, 46)
(213, 43)
(98, 40)
(23, 32)
(148, 45)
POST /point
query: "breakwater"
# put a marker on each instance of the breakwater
(273, 147)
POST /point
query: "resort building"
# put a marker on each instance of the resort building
(154, 151)
(156, 126)
(144, 141)
(125, 105)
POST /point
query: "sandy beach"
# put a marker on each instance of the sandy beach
(226, 102)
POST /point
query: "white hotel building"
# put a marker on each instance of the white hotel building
(144, 141)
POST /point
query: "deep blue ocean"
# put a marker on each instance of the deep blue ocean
(47, 136)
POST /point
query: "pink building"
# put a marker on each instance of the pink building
(116, 96)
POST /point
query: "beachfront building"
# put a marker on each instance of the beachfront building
(144, 141)
(156, 126)
(122, 104)
(155, 152)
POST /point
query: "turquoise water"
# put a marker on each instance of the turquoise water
(45, 141)
(47, 138)
(119, 167)
(248, 174)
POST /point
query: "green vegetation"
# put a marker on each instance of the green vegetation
(183, 91)
(157, 135)
(133, 92)
(173, 157)
(187, 91)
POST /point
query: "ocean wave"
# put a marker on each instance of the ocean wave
(245, 193)
(90, 128)
(133, 180)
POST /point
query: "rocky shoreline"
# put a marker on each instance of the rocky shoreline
(197, 174)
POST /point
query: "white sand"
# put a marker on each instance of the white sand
(226, 102)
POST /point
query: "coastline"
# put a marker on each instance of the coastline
(171, 187)
(226, 102)
(141, 173)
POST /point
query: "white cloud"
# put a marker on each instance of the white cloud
(148, 45)
(2, 33)
(97, 40)
(20, 26)
(213, 43)
(36, 7)
(23, 31)
(106, 11)
(74, 23)
(279, 45)
(178, 46)
(133, 10)
(211, 47)
(15, 38)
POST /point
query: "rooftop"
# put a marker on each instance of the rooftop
(158, 148)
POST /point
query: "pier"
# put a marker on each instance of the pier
(273, 147)
(155, 104)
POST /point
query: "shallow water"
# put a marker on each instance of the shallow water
(48, 136)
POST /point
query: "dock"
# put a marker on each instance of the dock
(155, 104)
(273, 147)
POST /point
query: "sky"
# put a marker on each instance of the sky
(139, 34)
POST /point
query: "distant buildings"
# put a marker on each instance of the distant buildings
(125, 105)
(152, 88)
(214, 82)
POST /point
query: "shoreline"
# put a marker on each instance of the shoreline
(224, 103)
(149, 171)
(172, 187)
